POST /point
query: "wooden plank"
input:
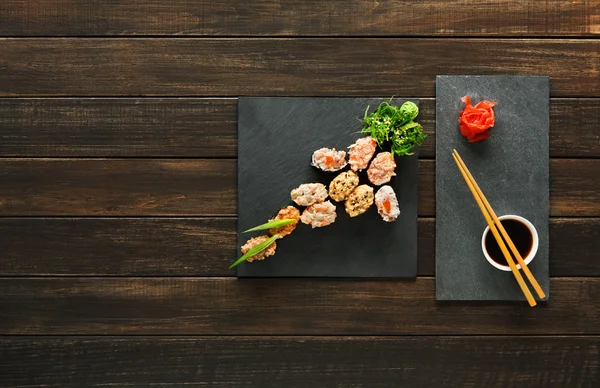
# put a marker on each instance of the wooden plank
(200, 187)
(575, 196)
(297, 17)
(206, 246)
(117, 246)
(118, 127)
(228, 306)
(290, 67)
(301, 362)
(117, 187)
(574, 128)
(197, 127)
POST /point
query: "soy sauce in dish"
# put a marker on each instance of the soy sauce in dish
(519, 234)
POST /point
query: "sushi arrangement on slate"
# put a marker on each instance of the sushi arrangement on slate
(389, 127)
(480, 116)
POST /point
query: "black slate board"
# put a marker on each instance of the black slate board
(276, 139)
(512, 169)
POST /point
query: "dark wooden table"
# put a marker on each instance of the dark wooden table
(118, 195)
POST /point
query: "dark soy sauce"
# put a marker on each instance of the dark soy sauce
(519, 234)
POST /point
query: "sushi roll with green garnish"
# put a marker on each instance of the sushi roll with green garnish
(269, 251)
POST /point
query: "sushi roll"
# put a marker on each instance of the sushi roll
(269, 251)
(359, 200)
(309, 193)
(382, 169)
(361, 153)
(328, 159)
(342, 185)
(289, 212)
(387, 203)
(319, 215)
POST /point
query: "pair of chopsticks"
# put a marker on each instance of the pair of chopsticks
(495, 225)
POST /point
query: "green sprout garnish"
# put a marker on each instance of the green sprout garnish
(272, 225)
(256, 250)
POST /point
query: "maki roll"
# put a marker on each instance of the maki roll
(387, 203)
(309, 193)
(382, 169)
(286, 213)
(319, 215)
(328, 159)
(359, 200)
(269, 251)
(361, 153)
(342, 185)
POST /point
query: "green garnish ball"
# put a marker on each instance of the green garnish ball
(409, 111)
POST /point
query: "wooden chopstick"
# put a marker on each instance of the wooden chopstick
(513, 248)
(509, 260)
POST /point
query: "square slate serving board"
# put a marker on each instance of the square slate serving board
(276, 139)
(512, 169)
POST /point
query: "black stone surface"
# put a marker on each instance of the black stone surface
(276, 139)
(512, 169)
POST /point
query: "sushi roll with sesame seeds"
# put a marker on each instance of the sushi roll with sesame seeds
(342, 185)
(287, 213)
(387, 204)
(269, 251)
(328, 159)
(381, 169)
(359, 200)
(319, 214)
(361, 153)
(309, 193)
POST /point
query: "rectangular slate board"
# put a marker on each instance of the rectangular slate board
(276, 139)
(512, 169)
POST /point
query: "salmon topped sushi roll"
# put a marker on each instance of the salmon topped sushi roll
(328, 159)
(342, 185)
(269, 251)
(387, 203)
(286, 213)
(382, 169)
(309, 193)
(319, 214)
(361, 153)
(359, 200)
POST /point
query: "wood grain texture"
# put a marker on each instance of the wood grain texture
(125, 187)
(284, 67)
(206, 246)
(118, 127)
(297, 17)
(200, 187)
(228, 306)
(580, 196)
(197, 127)
(374, 362)
(117, 246)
